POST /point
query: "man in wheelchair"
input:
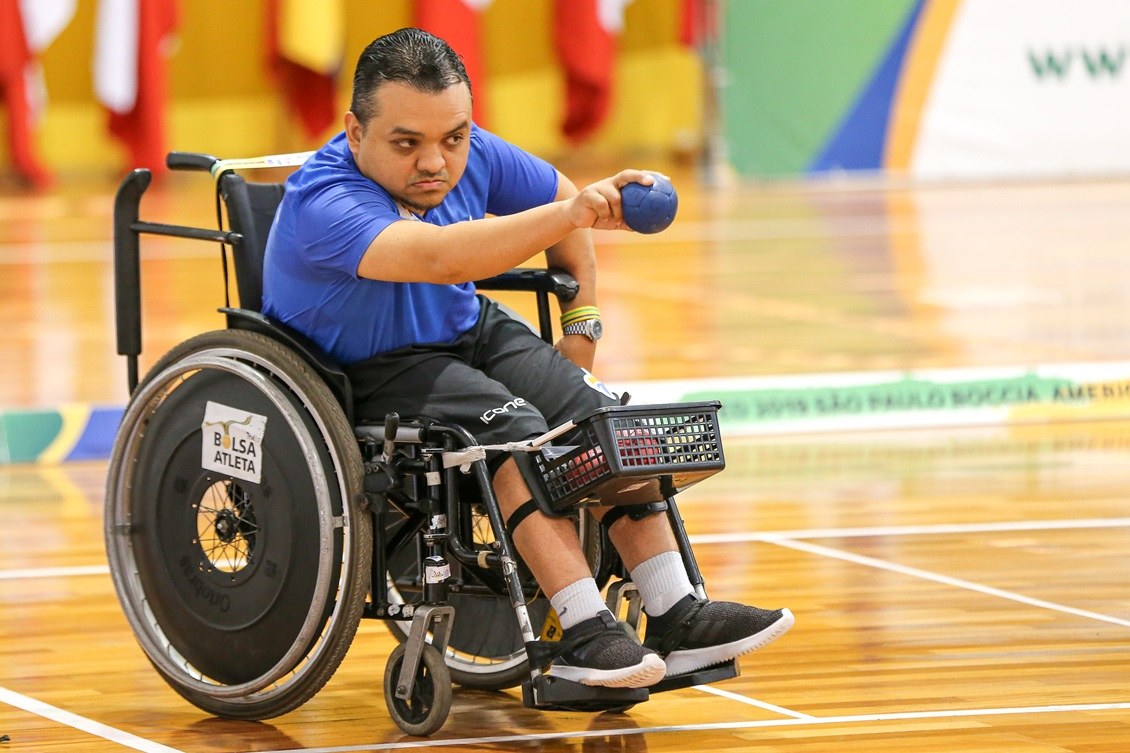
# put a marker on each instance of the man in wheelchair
(370, 256)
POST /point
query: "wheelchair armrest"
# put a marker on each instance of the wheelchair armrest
(556, 281)
(541, 282)
(190, 161)
(325, 366)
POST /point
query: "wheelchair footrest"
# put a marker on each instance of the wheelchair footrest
(553, 693)
(704, 676)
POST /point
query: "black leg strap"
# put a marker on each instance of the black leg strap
(635, 512)
(675, 634)
(542, 653)
(524, 511)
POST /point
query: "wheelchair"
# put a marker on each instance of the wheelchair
(251, 523)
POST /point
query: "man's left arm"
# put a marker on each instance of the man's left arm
(575, 254)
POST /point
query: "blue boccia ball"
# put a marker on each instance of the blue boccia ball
(649, 209)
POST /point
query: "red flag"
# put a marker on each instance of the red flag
(698, 24)
(15, 57)
(305, 44)
(586, 33)
(25, 29)
(131, 53)
(459, 23)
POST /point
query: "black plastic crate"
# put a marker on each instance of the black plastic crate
(629, 454)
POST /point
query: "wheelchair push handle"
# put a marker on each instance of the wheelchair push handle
(190, 161)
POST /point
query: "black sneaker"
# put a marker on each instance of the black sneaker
(599, 652)
(694, 634)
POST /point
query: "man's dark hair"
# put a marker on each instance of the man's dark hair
(412, 57)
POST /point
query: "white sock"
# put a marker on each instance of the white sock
(662, 581)
(577, 602)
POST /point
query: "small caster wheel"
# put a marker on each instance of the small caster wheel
(427, 709)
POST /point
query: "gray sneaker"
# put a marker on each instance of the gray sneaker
(599, 652)
(694, 634)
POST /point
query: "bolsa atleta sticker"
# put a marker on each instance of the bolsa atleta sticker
(232, 442)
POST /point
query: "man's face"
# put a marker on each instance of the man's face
(415, 145)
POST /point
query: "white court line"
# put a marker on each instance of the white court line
(795, 718)
(915, 572)
(753, 702)
(720, 726)
(753, 230)
(743, 538)
(73, 252)
(66, 718)
(101, 250)
(922, 530)
(54, 572)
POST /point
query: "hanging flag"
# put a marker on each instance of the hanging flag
(27, 27)
(459, 23)
(305, 47)
(586, 33)
(133, 41)
(698, 22)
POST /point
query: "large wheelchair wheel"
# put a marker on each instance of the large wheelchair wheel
(485, 649)
(235, 540)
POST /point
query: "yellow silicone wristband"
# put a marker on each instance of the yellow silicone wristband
(580, 314)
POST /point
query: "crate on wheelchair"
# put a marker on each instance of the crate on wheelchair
(251, 523)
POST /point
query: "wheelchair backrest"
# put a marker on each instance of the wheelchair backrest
(251, 209)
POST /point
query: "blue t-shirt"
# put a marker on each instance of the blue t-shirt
(330, 214)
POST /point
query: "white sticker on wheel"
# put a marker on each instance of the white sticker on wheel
(232, 442)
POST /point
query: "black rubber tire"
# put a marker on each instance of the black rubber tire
(427, 709)
(244, 595)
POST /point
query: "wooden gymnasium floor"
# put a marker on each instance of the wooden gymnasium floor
(960, 589)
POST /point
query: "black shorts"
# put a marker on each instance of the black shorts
(499, 380)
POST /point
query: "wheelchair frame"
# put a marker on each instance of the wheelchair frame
(388, 510)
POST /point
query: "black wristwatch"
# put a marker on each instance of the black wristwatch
(590, 328)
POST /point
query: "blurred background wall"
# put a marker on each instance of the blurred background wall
(768, 88)
(223, 98)
(928, 88)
